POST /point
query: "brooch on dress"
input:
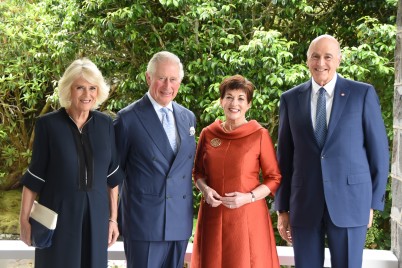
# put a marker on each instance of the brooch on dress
(215, 142)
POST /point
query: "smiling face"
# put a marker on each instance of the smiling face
(164, 83)
(235, 105)
(323, 59)
(83, 95)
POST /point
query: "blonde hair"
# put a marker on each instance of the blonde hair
(86, 69)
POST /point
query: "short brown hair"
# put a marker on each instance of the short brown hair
(237, 82)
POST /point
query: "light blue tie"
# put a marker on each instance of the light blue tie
(168, 125)
(321, 119)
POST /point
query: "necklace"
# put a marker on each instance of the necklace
(79, 122)
(223, 127)
(230, 129)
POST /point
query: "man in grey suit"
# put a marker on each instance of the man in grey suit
(155, 139)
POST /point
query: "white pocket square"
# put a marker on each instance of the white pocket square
(192, 131)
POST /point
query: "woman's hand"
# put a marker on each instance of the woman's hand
(211, 197)
(236, 199)
(25, 232)
(113, 232)
(27, 199)
(113, 226)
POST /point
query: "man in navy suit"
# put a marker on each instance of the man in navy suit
(156, 199)
(334, 175)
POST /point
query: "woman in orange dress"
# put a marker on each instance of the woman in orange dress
(234, 227)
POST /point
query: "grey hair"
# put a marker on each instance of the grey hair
(86, 69)
(164, 56)
(327, 36)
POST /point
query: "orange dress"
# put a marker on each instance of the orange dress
(230, 162)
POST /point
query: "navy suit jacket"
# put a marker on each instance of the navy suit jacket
(350, 174)
(156, 197)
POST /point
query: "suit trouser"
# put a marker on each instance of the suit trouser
(345, 245)
(155, 254)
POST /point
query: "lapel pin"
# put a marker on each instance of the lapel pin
(343, 94)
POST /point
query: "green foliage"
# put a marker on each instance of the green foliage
(372, 61)
(301, 21)
(9, 211)
(34, 45)
(264, 40)
(378, 236)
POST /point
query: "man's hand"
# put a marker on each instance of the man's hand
(284, 226)
(370, 219)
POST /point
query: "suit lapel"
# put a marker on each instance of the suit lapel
(183, 125)
(153, 126)
(305, 107)
(341, 95)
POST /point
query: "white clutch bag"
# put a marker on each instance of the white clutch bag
(43, 223)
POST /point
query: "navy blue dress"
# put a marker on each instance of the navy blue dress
(82, 206)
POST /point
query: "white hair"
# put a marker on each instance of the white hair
(164, 56)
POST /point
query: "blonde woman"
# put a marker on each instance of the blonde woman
(74, 170)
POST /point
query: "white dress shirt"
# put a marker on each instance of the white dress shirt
(329, 95)
(158, 111)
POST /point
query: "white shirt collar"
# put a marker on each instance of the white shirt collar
(329, 87)
(157, 106)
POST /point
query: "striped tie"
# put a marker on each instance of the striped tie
(321, 119)
(168, 125)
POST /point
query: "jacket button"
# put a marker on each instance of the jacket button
(184, 196)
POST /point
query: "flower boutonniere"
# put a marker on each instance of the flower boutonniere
(192, 131)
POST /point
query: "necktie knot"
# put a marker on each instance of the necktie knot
(321, 130)
(165, 113)
(322, 91)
